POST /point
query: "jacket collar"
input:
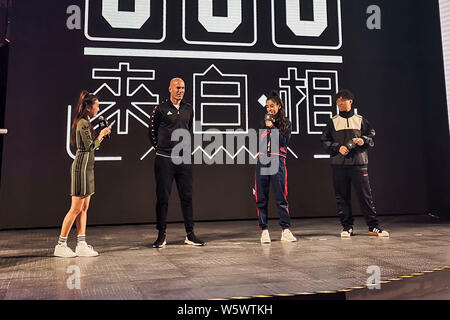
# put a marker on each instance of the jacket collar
(170, 102)
(345, 114)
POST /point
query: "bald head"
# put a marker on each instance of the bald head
(176, 89)
(174, 80)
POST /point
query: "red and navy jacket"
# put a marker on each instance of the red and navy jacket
(264, 140)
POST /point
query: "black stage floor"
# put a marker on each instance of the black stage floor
(413, 263)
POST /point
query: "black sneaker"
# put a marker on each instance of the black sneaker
(161, 241)
(378, 232)
(193, 240)
(347, 232)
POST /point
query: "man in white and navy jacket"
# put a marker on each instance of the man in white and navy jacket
(347, 138)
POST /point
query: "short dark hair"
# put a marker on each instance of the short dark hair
(344, 94)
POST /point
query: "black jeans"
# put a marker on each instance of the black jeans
(343, 178)
(165, 172)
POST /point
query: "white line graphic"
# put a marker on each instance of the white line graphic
(215, 55)
(86, 29)
(321, 156)
(147, 153)
(255, 32)
(69, 152)
(338, 46)
(202, 105)
(242, 103)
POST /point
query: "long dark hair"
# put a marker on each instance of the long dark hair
(82, 111)
(280, 117)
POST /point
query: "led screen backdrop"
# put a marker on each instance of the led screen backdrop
(444, 10)
(230, 54)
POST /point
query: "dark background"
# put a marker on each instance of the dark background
(396, 74)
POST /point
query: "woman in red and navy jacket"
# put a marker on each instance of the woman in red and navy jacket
(278, 123)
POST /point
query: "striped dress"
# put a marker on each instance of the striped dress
(82, 170)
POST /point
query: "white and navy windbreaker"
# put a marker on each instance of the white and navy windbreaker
(340, 131)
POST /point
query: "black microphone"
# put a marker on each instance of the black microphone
(103, 123)
(268, 117)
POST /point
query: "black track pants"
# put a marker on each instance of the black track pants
(165, 172)
(343, 178)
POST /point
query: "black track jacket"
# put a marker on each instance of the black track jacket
(164, 120)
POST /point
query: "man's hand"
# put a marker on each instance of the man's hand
(358, 141)
(343, 150)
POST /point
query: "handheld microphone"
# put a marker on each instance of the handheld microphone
(268, 117)
(103, 123)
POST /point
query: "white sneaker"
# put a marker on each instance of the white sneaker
(265, 237)
(63, 251)
(378, 232)
(384, 233)
(85, 250)
(347, 233)
(286, 235)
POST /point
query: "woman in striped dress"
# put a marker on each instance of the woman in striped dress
(82, 176)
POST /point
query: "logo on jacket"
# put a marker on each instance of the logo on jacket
(169, 113)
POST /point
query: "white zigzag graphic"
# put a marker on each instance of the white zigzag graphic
(199, 148)
(219, 149)
(226, 151)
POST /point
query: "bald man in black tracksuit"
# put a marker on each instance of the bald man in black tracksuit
(169, 116)
(347, 138)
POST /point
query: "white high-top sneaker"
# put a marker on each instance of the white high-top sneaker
(265, 237)
(286, 235)
(63, 251)
(85, 250)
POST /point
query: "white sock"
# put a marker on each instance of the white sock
(62, 240)
(81, 238)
